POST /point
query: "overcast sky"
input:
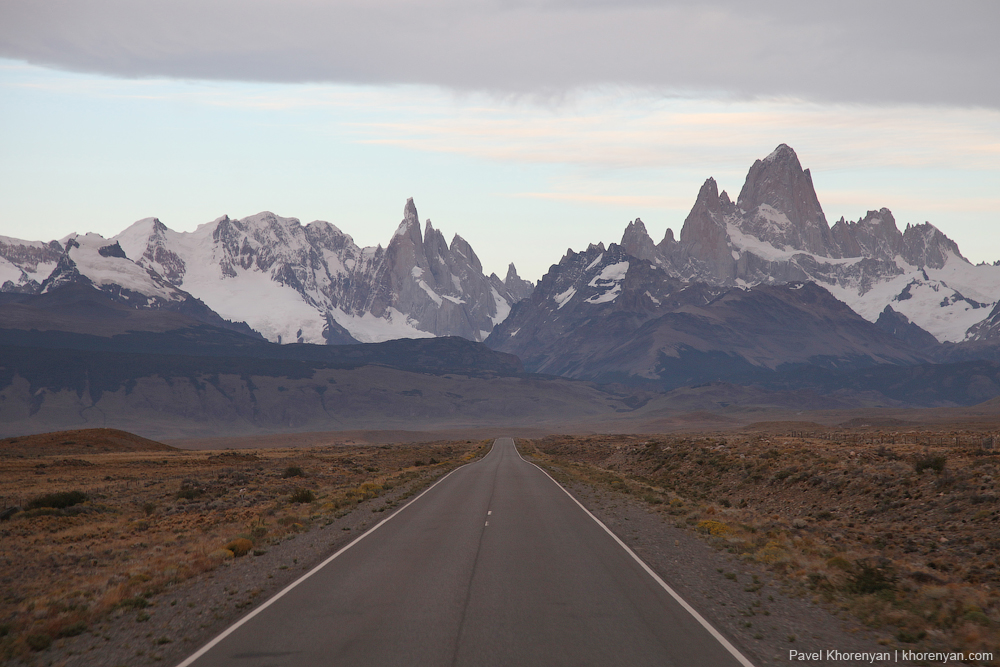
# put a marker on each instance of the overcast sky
(526, 126)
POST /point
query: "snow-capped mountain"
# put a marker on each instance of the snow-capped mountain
(91, 261)
(776, 232)
(288, 281)
(25, 264)
(606, 315)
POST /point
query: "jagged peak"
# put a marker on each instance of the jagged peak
(781, 169)
(637, 226)
(410, 211)
(596, 246)
(782, 153)
(148, 226)
(709, 190)
(882, 217)
(511, 275)
(635, 231)
(889, 311)
(922, 244)
(459, 244)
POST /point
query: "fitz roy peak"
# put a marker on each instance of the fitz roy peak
(754, 288)
(289, 282)
(776, 232)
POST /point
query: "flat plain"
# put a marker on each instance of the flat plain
(887, 532)
(98, 523)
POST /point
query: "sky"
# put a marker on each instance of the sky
(527, 127)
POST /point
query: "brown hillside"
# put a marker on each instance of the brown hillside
(84, 441)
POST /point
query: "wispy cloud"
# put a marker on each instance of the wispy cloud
(637, 201)
(596, 132)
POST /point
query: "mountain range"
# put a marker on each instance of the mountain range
(758, 292)
(288, 282)
(311, 283)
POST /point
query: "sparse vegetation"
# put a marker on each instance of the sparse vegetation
(852, 520)
(139, 522)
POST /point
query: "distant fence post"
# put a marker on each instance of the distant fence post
(988, 443)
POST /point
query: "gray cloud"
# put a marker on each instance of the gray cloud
(869, 52)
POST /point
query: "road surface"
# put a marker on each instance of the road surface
(494, 565)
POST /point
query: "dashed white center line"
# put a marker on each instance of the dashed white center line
(489, 512)
(487, 523)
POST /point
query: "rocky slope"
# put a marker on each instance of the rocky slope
(606, 315)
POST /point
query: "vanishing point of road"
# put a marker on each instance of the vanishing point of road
(494, 565)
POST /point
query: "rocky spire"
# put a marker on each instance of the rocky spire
(704, 234)
(636, 241)
(782, 207)
(517, 287)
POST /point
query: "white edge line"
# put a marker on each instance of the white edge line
(235, 626)
(681, 601)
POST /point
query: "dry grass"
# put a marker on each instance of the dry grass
(904, 537)
(155, 518)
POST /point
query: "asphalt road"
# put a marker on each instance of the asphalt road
(494, 565)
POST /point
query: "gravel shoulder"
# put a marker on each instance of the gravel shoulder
(744, 602)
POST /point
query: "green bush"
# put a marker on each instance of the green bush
(293, 471)
(58, 501)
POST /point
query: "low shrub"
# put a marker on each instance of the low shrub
(189, 493)
(869, 578)
(713, 527)
(293, 471)
(58, 501)
(302, 496)
(935, 463)
(240, 546)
